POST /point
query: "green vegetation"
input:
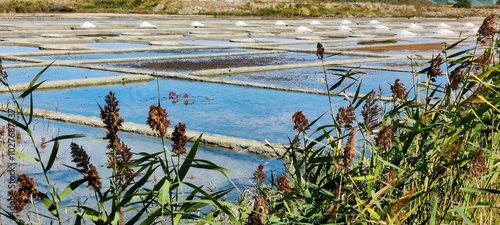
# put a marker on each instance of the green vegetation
(462, 4)
(430, 155)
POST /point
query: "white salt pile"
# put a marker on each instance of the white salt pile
(303, 29)
(443, 32)
(197, 24)
(241, 24)
(414, 26)
(87, 25)
(146, 25)
(343, 28)
(345, 22)
(279, 23)
(404, 33)
(381, 27)
(469, 24)
(443, 25)
(374, 22)
(314, 22)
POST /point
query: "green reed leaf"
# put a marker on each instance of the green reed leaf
(70, 188)
(26, 157)
(462, 214)
(48, 204)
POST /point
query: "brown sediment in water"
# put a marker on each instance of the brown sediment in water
(214, 63)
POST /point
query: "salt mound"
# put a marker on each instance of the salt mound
(381, 27)
(469, 24)
(146, 25)
(474, 30)
(374, 22)
(345, 22)
(303, 29)
(343, 28)
(443, 25)
(241, 24)
(197, 24)
(87, 25)
(279, 23)
(414, 26)
(443, 32)
(404, 33)
(314, 22)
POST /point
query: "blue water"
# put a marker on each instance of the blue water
(17, 49)
(162, 53)
(55, 73)
(251, 113)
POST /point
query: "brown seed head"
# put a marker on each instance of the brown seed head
(435, 68)
(284, 185)
(110, 116)
(300, 121)
(384, 138)
(157, 119)
(488, 28)
(346, 116)
(350, 149)
(370, 111)
(398, 90)
(26, 191)
(320, 51)
(80, 157)
(457, 76)
(259, 175)
(93, 178)
(3, 73)
(180, 139)
(478, 166)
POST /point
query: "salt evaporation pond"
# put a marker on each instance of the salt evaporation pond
(251, 113)
(190, 65)
(314, 78)
(17, 49)
(55, 73)
(133, 54)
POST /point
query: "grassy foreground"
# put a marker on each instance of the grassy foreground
(429, 156)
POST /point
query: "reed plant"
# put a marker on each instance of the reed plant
(430, 155)
(142, 188)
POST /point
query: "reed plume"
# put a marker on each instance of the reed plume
(301, 124)
(435, 68)
(384, 137)
(3, 73)
(259, 175)
(370, 112)
(110, 116)
(350, 148)
(82, 161)
(180, 140)
(478, 165)
(284, 185)
(488, 28)
(320, 51)
(25, 194)
(260, 208)
(346, 116)
(398, 90)
(157, 119)
(119, 154)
